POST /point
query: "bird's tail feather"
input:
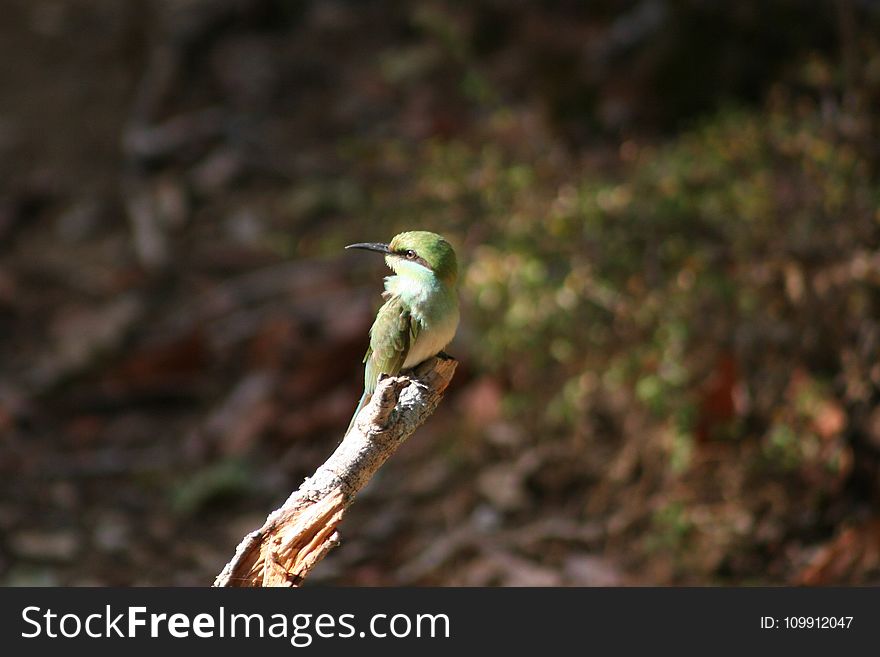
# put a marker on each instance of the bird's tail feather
(363, 402)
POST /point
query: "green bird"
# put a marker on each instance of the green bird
(420, 314)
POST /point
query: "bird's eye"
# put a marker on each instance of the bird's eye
(410, 254)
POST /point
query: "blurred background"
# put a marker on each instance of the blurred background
(667, 218)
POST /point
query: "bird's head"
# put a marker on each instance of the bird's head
(416, 252)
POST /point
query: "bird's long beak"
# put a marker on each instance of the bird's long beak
(370, 246)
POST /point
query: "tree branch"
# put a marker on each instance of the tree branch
(296, 536)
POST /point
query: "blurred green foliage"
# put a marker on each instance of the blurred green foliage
(709, 238)
(742, 236)
(718, 276)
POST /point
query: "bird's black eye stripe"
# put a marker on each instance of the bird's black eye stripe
(409, 254)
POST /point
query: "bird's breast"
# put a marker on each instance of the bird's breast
(436, 332)
(433, 306)
(429, 343)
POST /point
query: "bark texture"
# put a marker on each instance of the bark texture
(296, 536)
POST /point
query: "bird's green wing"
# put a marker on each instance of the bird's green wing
(390, 338)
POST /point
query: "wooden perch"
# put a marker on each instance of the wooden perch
(296, 536)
